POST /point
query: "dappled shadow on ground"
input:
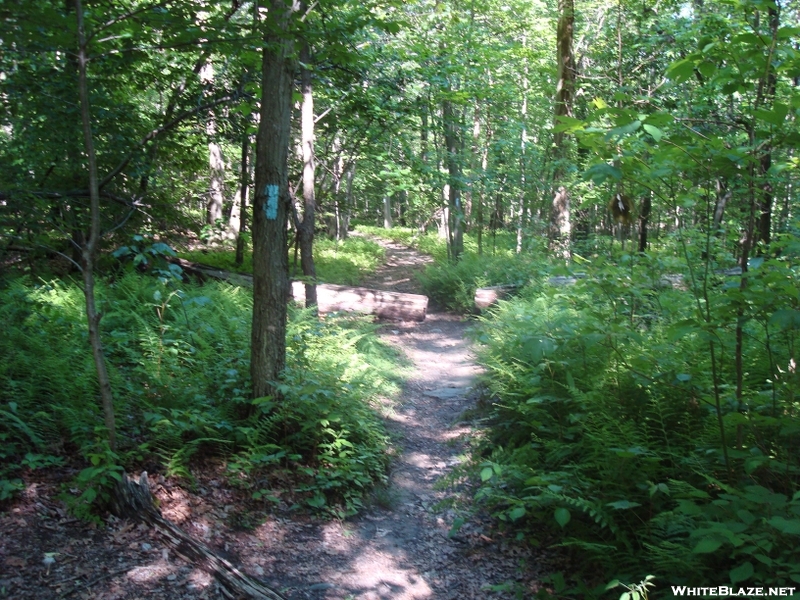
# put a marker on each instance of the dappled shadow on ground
(398, 549)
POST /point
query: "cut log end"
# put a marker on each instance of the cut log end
(488, 296)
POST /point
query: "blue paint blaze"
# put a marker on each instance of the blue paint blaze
(271, 206)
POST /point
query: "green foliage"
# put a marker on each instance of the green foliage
(453, 285)
(606, 432)
(345, 262)
(179, 365)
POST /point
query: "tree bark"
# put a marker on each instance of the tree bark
(456, 211)
(245, 183)
(89, 250)
(305, 228)
(560, 228)
(216, 162)
(271, 205)
(644, 217)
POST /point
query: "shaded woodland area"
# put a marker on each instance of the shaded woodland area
(628, 168)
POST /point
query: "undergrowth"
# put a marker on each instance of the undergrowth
(345, 262)
(179, 362)
(606, 438)
(452, 285)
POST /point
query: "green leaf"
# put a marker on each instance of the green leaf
(562, 516)
(654, 132)
(785, 319)
(623, 504)
(681, 70)
(458, 522)
(707, 546)
(568, 124)
(776, 116)
(626, 129)
(602, 171)
(788, 526)
(517, 513)
(707, 69)
(742, 573)
(486, 473)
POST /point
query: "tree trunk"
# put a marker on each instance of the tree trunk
(644, 217)
(560, 228)
(89, 250)
(305, 229)
(271, 206)
(387, 211)
(216, 162)
(245, 183)
(343, 218)
(456, 212)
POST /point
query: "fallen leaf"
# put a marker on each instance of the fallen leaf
(15, 561)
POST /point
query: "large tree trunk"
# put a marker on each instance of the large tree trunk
(560, 228)
(89, 250)
(270, 207)
(305, 229)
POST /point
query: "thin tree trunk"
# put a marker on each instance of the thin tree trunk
(89, 250)
(456, 212)
(245, 183)
(644, 217)
(343, 219)
(306, 227)
(767, 193)
(216, 162)
(271, 206)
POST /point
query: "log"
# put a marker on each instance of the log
(384, 305)
(133, 500)
(204, 272)
(331, 298)
(488, 296)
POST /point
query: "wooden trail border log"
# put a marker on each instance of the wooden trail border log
(133, 500)
(331, 298)
(384, 305)
(488, 296)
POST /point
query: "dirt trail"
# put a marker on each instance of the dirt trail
(398, 549)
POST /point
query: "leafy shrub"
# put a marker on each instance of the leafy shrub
(453, 285)
(344, 262)
(614, 432)
(179, 365)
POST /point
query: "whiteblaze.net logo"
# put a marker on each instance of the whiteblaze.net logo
(724, 591)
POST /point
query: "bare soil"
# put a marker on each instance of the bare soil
(399, 548)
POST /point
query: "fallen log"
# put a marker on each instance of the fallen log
(384, 305)
(133, 500)
(488, 296)
(331, 298)
(204, 272)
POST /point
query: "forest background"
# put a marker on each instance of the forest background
(643, 417)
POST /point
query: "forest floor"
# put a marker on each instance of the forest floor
(399, 548)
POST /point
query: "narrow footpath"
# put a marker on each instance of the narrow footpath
(404, 550)
(399, 548)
